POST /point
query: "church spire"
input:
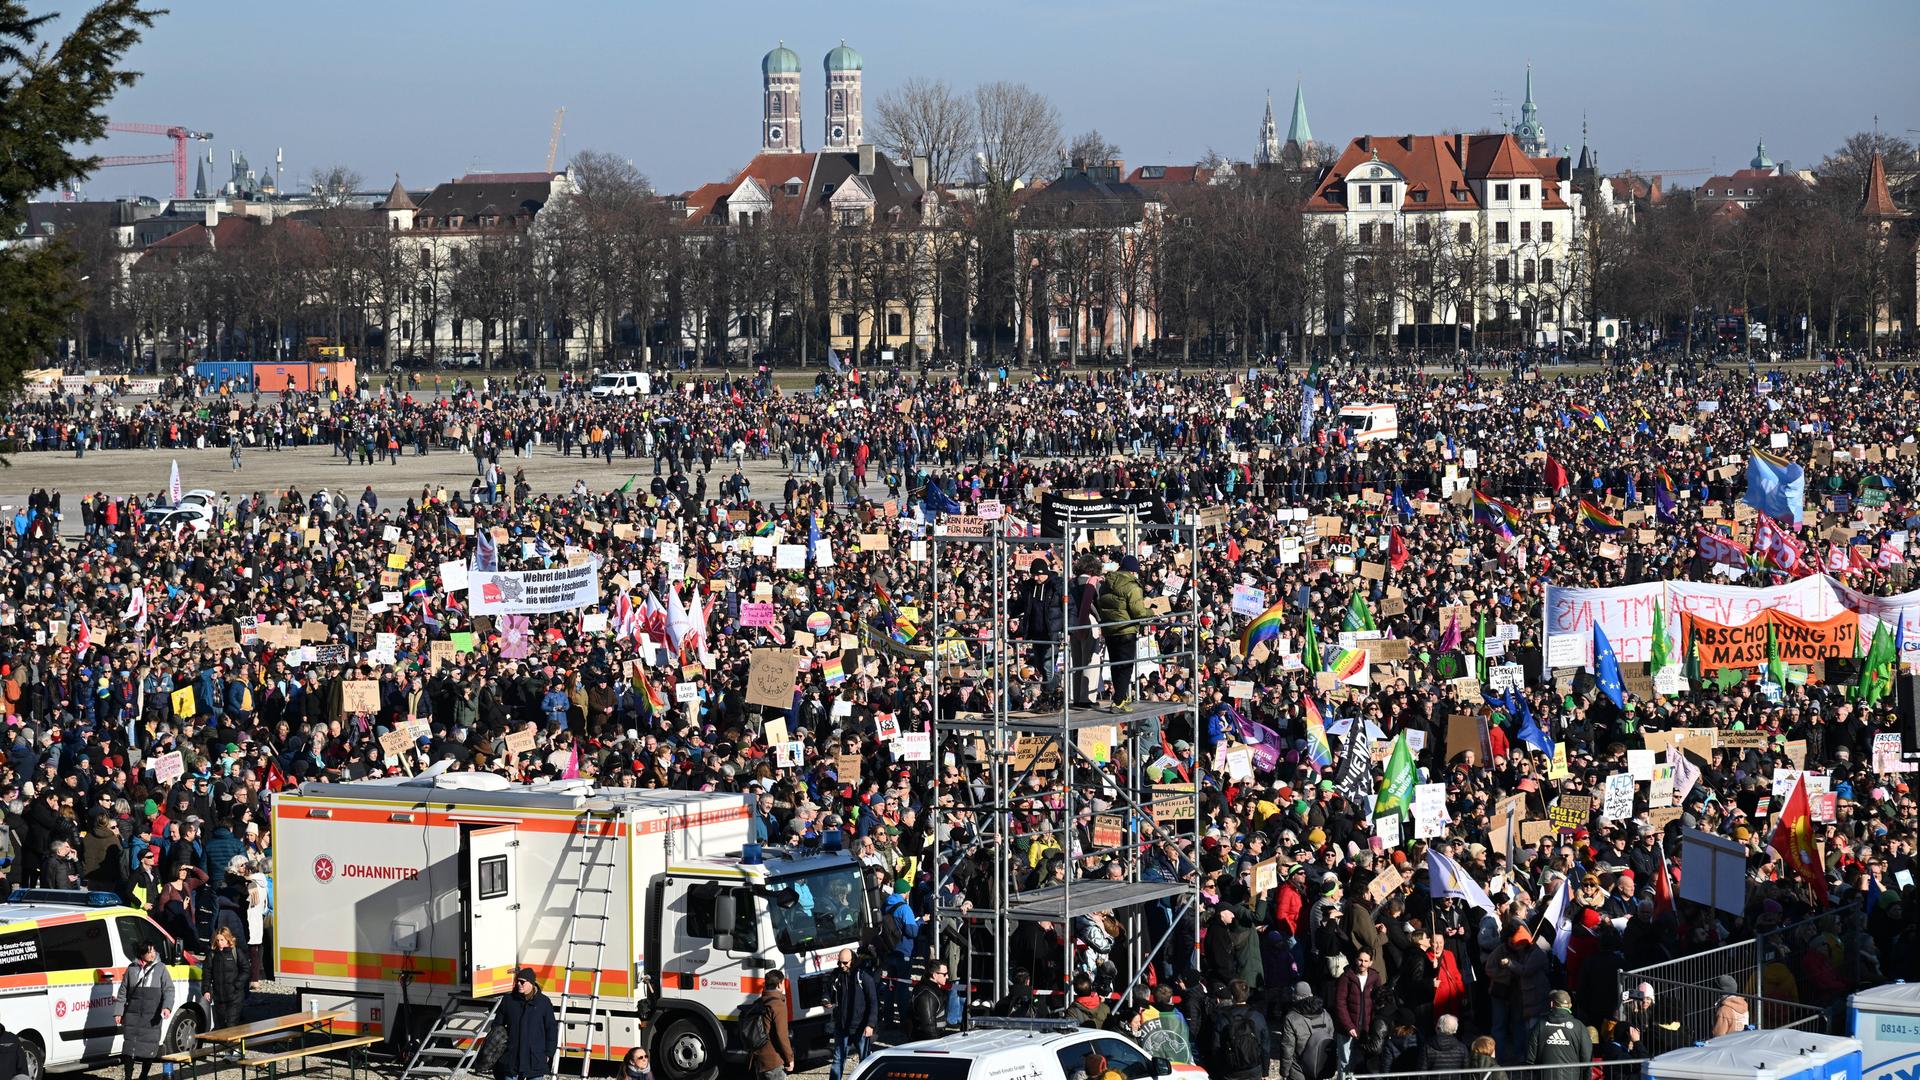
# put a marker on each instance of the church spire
(1533, 137)
(200, 179)
(1298, 132)
(1269, 138)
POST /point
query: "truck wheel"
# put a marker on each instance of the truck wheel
(686, 1049)
(185, 1031)
(35, 1058)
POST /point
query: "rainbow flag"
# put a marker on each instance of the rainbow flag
(1319, 751)
(651, 699)
(416, 588)
(834, 670)
(766, 528)
(1579, 410)
(1493, 512)
(1599, 520)
(1349, 666)
(902, 629)
(1264, 627)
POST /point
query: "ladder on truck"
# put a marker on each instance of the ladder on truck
(588, 925)
(454, 1041)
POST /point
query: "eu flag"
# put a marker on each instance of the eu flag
(1606, 668)
(1776, 487)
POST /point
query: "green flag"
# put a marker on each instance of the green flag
(1310, 649)
(1876, 674)
(628, 486)
(1396, 789)
(1659, 658)
(1359, 616)
(1776, 671)
(1480, 647)
(1690, 651)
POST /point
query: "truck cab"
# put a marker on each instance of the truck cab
(723, 924)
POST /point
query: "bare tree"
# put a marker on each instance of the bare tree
(608, 183)
(926, 118)
(1843, 175)
(1018, 129)
(1090, 148)
(334, 186)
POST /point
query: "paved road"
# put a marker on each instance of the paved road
(144, 473)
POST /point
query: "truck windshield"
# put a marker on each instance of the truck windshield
(820, 909)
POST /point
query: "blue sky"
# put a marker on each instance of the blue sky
(429, 89)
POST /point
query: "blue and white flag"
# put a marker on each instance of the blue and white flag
(1556, 916)
(486, 554)
(1448, 878)
(1776, 487)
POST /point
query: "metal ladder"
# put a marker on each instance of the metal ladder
(455, 1039)
(587, 928)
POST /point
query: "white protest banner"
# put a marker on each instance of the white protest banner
(169, 767)
(1429, 810)
(453, 576)
(1640, 764)
(1249, 600)
(1660, 789)
(1618, 805)
(1506, 677)
(913, 746)
(790, 557)
(534, 592)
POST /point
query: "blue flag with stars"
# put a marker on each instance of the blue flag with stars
(1606, 668)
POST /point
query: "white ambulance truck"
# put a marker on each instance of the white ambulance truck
(647, 915)
(1370, 423)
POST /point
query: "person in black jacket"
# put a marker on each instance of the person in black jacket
(533, 1033)
(1560, 1039)
(13, 1059)
(856, 1010)
(1221, 1061)
(226, 977)
(928, 1017)
(1445, 1052)
(1039, 606)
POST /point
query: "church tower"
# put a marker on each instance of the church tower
(780, 104)
(1269, 138)
(1298, 149)
(844, 129)
(1533, 137)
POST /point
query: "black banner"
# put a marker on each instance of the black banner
(1102, 509)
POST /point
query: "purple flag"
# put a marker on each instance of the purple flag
(1264, 741)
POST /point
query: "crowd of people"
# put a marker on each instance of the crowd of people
(231, 647)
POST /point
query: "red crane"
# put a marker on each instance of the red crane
(180, 136)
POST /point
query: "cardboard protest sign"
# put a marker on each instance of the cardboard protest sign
(359, 695)
(519, 742)
(1571, 812)
(771, 676)
(1467, 732)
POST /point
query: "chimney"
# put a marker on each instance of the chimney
(212, 215)
(1460, 148)
(866, 159)
(266, 213)
(921, 169)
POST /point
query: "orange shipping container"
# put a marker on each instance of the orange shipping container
(280, 378)
(332, 371)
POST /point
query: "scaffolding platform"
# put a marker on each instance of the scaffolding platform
(1062, 902)
(1041, 723)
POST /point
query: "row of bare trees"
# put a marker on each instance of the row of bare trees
(1231, 269)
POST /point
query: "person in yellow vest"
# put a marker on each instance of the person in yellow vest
(143, 885)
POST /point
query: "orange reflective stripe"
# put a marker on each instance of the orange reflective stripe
(383, 967)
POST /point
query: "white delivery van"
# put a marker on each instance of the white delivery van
(622, 384)
(1886, 1021)
(647, 916)
(62, 955)
(1019, 1050)
(1370, 423)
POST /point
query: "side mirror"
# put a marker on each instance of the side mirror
(1162, 1067)
(725, 911)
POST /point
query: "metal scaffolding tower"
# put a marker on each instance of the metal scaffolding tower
(1158, 911)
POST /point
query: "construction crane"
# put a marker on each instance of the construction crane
(553, 143)
(180, 136)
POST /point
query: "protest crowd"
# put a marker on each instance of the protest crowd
(1416, 850)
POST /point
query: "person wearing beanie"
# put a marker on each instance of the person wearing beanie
(533, 1033)
(1121, 602)
(1560, 1040)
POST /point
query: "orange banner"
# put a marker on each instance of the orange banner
(1801, 641)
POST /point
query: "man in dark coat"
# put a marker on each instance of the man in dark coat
(1037, 603)
(1561, 1039)
(533, 1033)
(856, 1010)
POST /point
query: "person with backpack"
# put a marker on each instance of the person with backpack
(763, 1030)
(898, 931)
(1306, 1037)
(1241, 1040)
(856, 1010)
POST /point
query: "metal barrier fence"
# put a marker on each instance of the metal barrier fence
(1625, 1069)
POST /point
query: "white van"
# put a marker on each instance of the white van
(1019, 1050)
(62, 955)
(622, 384)
(1370, 423)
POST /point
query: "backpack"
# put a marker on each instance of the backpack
(1241, 1045)
(756, 1025)
(1316, 1053)
(892, 931)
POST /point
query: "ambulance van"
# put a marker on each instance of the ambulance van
(648, 917)
(62, 956)
(1370, 423)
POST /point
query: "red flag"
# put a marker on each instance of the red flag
(1793, 839)
(1233, 550)
(276, 780)
(1396, 550)
(1556, 476)
(1662, 885)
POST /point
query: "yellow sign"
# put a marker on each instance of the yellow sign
(183, 702)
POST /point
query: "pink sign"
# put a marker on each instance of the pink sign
(753, 614)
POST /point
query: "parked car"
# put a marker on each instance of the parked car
(198, 518)
(614, 384)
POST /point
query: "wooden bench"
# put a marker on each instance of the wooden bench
(271, 1062)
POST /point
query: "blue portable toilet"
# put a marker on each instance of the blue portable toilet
(1886, 1020)
(1783, 1054)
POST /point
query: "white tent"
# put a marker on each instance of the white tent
(1762, 1055)
(1885, 1020)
